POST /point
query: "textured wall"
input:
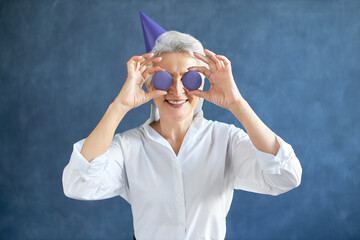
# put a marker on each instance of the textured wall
(296, 62)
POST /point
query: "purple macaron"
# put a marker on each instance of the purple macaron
(162, 80)
(191, 80)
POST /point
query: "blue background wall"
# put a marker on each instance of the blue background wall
(297, 63)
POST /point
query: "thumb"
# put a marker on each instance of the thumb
(199, 93)
(154, 94)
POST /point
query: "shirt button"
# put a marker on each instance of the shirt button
(179, 195)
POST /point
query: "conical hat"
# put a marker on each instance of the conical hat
(151, 31)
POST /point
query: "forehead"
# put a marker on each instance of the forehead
(176, 62)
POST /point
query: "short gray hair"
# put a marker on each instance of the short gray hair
(173, 42)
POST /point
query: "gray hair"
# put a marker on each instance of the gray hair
(174, 41)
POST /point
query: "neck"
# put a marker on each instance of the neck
(173, 130)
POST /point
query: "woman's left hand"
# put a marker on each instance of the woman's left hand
(223, 90)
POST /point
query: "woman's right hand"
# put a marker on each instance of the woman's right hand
(132, 95)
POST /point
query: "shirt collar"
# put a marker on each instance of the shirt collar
(195, 126)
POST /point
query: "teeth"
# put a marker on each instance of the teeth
(176, 102)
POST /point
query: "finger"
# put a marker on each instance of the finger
(201, 69)
(134, 61)
(199, 93)
(213, 57)
(205, 59)
(149, 62)
(221, 62)
(145, 58)
(154, 94)
(224, 59)
(151, 70)
(137, 58)
(147, 55)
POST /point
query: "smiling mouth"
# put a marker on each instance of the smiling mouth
(176, 103)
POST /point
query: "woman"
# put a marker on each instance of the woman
(179, 170)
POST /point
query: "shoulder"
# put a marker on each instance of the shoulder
(220, 128)
(219, 125)
(129, 136)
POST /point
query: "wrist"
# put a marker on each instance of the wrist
(237, 105)
(118, 107)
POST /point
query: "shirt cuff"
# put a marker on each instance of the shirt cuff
(271, 164)
(88, 169)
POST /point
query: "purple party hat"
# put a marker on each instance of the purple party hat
(151, 31)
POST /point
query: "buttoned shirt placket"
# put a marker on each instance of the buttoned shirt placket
(180, 195)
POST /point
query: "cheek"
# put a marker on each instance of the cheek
(159, 100)
(193, 100)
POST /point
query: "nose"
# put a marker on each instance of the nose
(177, 87)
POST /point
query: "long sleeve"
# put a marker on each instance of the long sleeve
(103, 177)
(261, 172)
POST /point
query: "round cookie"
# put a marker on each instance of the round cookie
(162, 80)
(191, 80)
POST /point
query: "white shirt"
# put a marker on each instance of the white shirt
(186, 196)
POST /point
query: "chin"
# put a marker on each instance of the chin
(177, 111)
